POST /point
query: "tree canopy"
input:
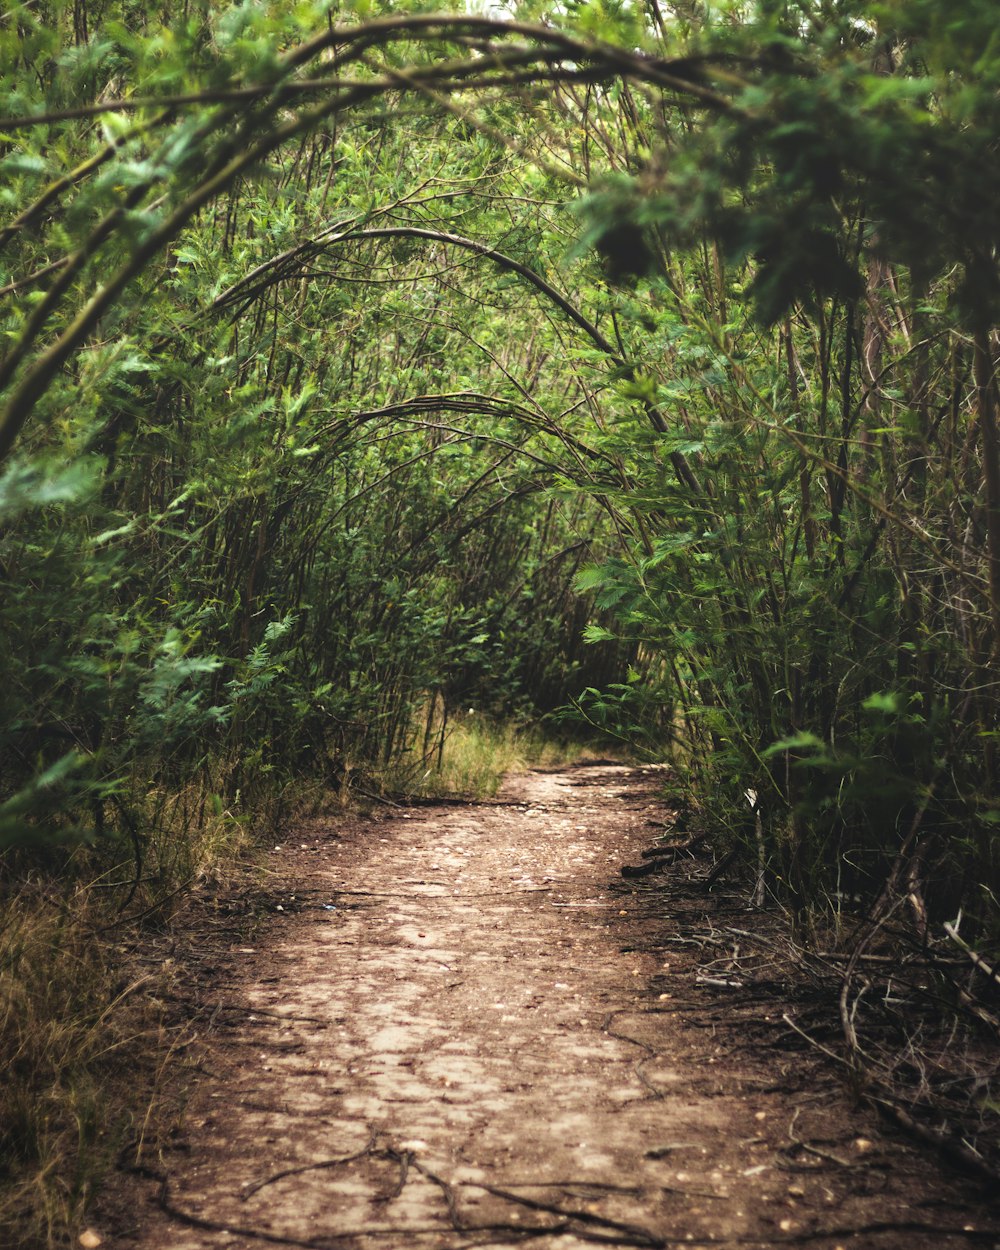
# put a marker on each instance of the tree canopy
(637, 361)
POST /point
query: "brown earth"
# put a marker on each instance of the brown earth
(459, 1027)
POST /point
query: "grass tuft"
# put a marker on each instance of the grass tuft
(471, 758)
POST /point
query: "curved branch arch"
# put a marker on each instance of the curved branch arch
(275, 270)
(285, 265)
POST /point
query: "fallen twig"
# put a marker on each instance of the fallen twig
(877, 1095)
(247, 1190)
(635, 1235)
(977, 959)
(674, 849)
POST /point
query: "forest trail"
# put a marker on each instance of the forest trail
(462, 1028)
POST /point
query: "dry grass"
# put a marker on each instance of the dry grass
(81, 1037)
(85, 1039)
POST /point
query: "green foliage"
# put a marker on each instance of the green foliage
(840, 122)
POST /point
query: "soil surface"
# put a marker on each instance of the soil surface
(461, 1027)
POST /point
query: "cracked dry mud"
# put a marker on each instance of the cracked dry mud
(481, 1044)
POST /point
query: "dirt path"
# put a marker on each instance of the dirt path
(460, 1031)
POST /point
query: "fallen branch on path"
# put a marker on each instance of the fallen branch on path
(247, 1190)
(540, 889)
(630, 1234)
(260, 1011)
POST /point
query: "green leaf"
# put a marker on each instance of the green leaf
(598, 633)
(804, 741)
(888, 703)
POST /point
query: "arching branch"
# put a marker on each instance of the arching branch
(277, 270)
